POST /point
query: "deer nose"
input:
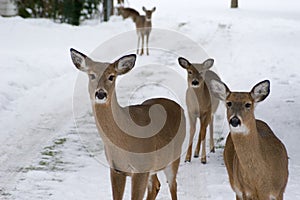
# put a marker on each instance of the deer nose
(195, 82)
(101, 94)
(235, 121)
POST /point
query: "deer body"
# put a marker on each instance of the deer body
(200, 104)
(143, 25)
(139, 140)
(256, 160)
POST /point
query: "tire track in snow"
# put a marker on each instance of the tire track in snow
(31, 122)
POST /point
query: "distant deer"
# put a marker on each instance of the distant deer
(139, 140)
(256, 160)
(143, 25)
(120, 2)
(200, 103)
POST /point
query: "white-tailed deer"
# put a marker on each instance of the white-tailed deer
(200, 103)
(256, 160)
(143, 25)
(139, 140)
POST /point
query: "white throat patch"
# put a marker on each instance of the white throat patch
(240, 129)
(100, 101)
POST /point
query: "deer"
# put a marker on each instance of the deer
(139, 140)
(143, 25)
(200, 104)
(255, 159)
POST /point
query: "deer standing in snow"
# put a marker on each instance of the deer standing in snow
(139, 140)
(256, 160)
(200, 103)
(143, 25)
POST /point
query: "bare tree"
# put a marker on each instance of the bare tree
(234, 4)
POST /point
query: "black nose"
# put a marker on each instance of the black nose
(195, 82)
(100, 94)
(235, 121)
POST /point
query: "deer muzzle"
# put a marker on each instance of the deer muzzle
(101, 94)
(235, 121)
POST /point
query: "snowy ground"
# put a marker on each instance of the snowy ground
(43, 156)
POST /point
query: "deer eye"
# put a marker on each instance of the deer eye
(111, 77)
(229, 104)
(190, 72)
(92, 76)
(248, 105)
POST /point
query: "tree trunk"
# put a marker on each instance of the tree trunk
(108, 9)
(234, 4)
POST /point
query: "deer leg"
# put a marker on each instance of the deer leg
(204, 123)
(142, 47)
(118, 181)
(238, 198)
(211, 136)
(280, 197)
(138, 185)
(153, 187)
(147, 40)
(138, 44)
(193, 121)
(171, 172)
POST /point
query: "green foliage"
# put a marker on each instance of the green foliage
(63, 11)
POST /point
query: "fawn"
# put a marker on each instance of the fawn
(256, 160)
(139, 140)
(143, 25)
(200, 103)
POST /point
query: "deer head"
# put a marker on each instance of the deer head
(148, 13)
(102, 76)
(240, 105)
(196, 72)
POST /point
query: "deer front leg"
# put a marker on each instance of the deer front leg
(211, 136)
(118, 181)
(193, 120)
(138, 43)
(142, 47)
(171, 173)
(139, 183)
(238, 198)
(204, 119)
(153, 187)
(147, 40)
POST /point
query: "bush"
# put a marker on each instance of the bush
(63, 11)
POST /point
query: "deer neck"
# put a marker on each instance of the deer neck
(203, 95)
(147, 20)
(247, 146)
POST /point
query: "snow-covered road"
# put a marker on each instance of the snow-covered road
(42, 156)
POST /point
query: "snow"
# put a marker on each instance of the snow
(46, 154)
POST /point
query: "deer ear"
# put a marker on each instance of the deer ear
(184, 62)
(208, 63)
(153, 9)
(125, 64)
(144, 9)
(219, 89)
(79, 60)
(260, 91)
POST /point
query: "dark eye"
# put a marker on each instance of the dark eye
(248, 105)
(229, 104)
(111, 77)
(190, 72)
(92, 76)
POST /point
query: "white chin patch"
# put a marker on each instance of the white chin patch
(240, 129)
(100, 101)
(194, 86)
